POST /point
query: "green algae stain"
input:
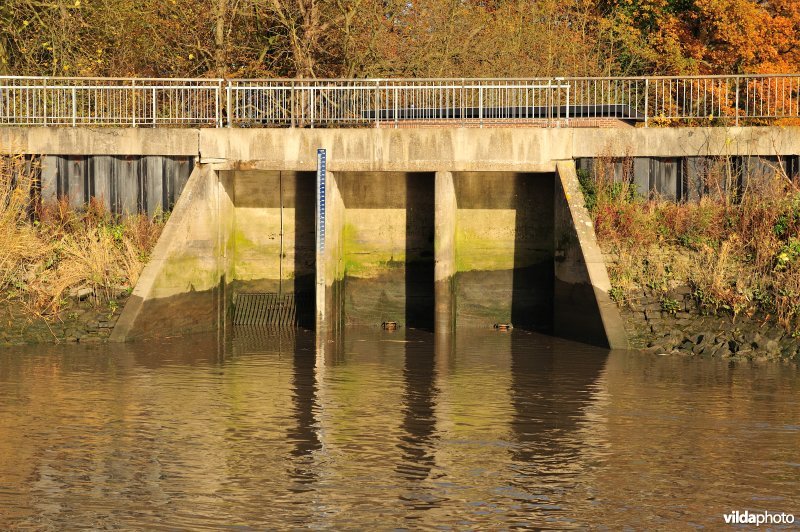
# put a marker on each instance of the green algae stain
(182, 273)
(363, 260)
(476, 252)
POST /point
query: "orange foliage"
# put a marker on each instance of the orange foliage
(356, 38)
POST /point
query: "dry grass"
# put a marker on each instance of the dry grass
(46, 251)
(738, 249)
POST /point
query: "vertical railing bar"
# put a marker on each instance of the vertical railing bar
(218, 105)
(377, 104)
(480, 103)
(74, 107)
(312, 96)
(44, 102)
(133, 93)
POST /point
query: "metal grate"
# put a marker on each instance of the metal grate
(265, 308)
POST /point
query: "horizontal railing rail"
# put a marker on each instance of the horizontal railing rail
(553, 102)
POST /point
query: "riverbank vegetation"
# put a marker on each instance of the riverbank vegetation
(389, 38)
(736, 248)
(51, 252)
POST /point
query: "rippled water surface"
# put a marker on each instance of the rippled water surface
(389, 430)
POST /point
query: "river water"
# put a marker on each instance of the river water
(390, 430)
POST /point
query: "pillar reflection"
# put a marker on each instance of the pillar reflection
(304, 435)
(552, 385)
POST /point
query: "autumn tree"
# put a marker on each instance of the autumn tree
(702, 36)
(382, 38)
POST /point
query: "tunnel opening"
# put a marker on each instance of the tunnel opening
(387, 249)
(274, 249)
(504, 250)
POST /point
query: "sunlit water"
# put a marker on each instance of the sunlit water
(390, 430)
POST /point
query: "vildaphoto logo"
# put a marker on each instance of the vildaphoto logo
(758, 518)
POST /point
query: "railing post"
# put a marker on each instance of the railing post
(736, 105)
(396, 108)
(229, 102)
(44, 100)
(463, 96)
(313, 101)
(646, 100)
(549, 103)
(133, 99)
(560, 83)
(154, 107)
(74, 107)
(218, 104)
(292, 106)
(378, 104)
(480, 104)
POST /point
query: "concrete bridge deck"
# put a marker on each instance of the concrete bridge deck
(433, 228)
(424, 149)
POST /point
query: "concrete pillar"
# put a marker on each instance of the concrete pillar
(444, 250)
(331, 262)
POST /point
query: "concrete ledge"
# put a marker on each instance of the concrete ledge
(99, 141)
(407, 150)
(422, 149)
(583, 310)
(686, 141)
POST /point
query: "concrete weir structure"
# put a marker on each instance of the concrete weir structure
(428, 228)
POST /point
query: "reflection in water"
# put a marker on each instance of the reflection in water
(551, 386)
(419, 420)
(389, 430)
(304, 395)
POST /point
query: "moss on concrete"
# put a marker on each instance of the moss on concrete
(477, 252)
(366, 261)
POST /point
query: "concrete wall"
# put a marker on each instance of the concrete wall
(504, 249)
(582, 307)
(387, 247)
(274, 235)
(520, 249)
(183, 287)
(476, 214)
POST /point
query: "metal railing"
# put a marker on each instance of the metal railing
(556, 102)
(32, 101)
(354, 102)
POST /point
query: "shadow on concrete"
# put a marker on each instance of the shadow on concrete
(304, 205)
(514, 279)
(532, 288)
(401, 291)
(419, 276)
